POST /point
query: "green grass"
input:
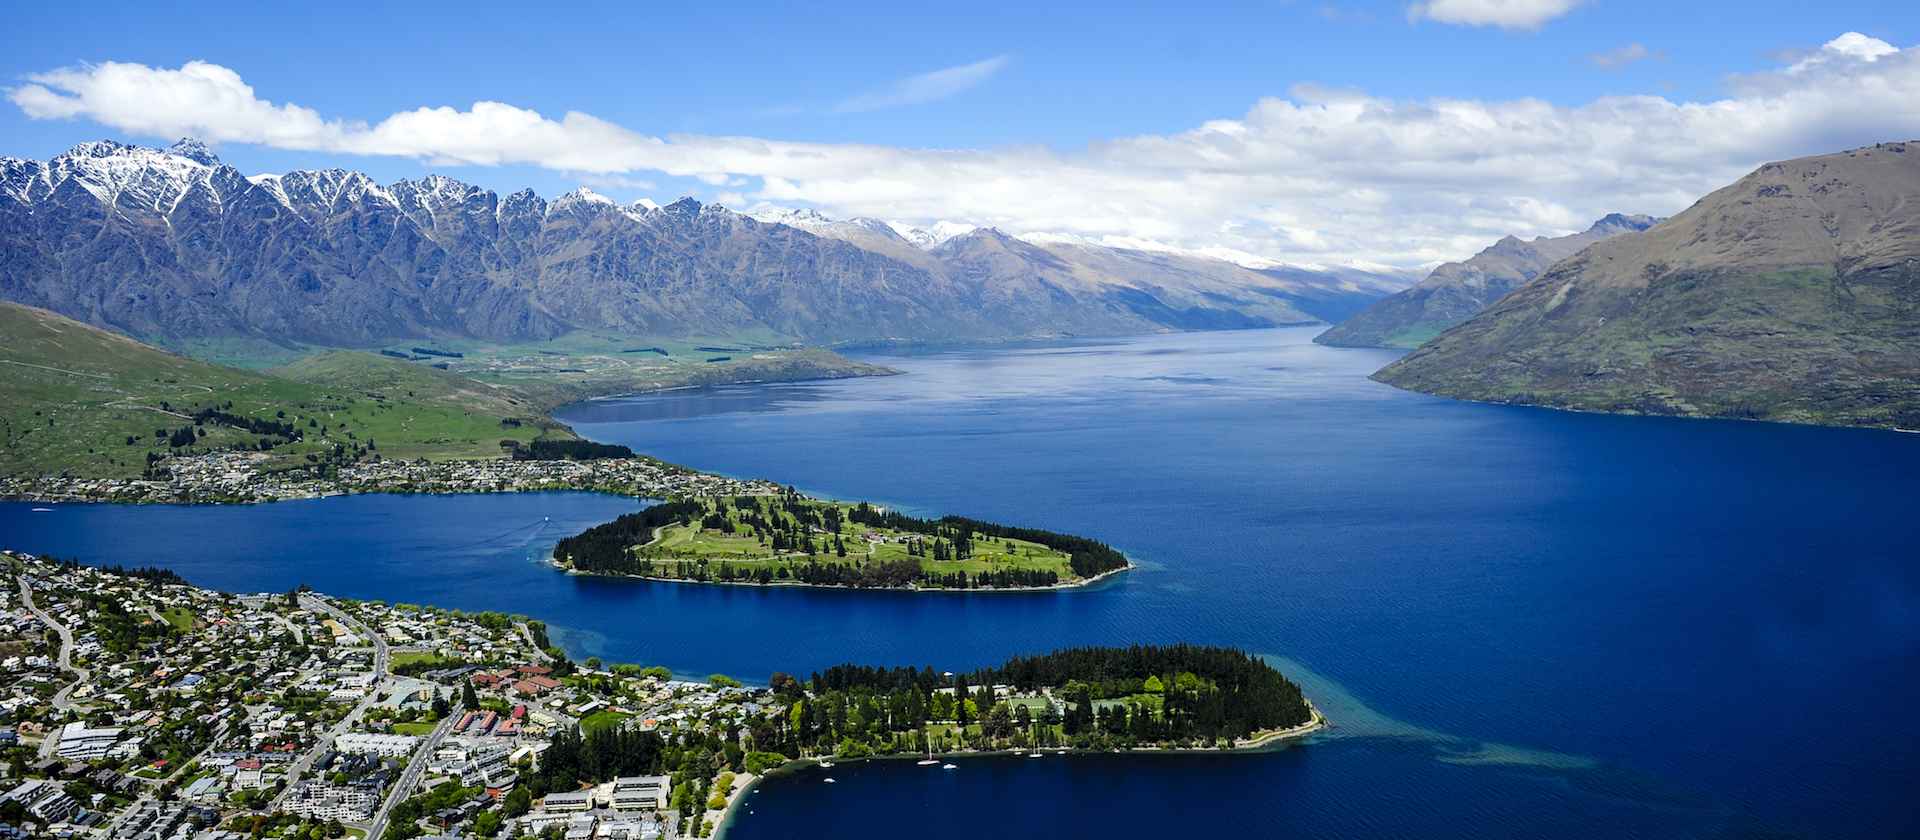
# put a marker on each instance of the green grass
(88, 402)
(602, 719)
(1415, 335)
(414, 657)
(180, 617)
(94, 404)
(745, 550)
(420, 729)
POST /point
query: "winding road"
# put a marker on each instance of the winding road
(61, 701)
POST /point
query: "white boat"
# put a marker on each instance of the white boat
(926, 761)
(947, 766)
(826, 764)
(43, 510)
(829, 780)
(1033, 755)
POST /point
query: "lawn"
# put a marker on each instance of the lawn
(419, 729)
(413, 657)
(180, 617)
(602, 719)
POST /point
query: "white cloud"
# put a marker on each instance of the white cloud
(1622, 56)
(926, 87)
(1316, 176)
(1506, 14)
(1850, 46)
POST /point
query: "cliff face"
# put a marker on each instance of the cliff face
(1457, 291)
(1793, 294)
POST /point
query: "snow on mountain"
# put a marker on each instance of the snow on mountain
(187, 246)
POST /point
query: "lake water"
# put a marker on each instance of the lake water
(1524, 622)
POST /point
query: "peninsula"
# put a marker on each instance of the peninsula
(789, 539)
(141, 702)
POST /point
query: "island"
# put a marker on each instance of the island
(137, 700)
(789, 539)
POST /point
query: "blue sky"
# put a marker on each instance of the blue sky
(1049, 91)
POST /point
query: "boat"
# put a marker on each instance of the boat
(947, 766)
(929, 759)
(43, 510)
(829, 780)
(1033, 755)
(826, 763)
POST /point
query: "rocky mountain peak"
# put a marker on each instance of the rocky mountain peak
(193, 150)
(96, 149)
(1613, 223)
(683, 209)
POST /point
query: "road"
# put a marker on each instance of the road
(80, 675)
(416, 765)
(325, 742)
(539, 654)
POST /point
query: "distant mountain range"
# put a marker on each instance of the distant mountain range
(174, 245)
(1457, 291)
(1793, 294)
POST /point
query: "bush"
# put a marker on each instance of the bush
(849, 748)
(759, 763)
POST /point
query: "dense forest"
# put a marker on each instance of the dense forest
(605, 547)
(563, 450)
(1093, 698)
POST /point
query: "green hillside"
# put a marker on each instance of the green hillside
(80, 399)
(1791, 295)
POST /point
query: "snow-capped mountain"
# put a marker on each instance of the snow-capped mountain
(175, 244)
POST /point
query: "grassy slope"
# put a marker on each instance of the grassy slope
(1796, 346)
(70, 396)
(743, 550)
(549, 381)
(1790, 295)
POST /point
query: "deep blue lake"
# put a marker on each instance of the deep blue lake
(1525, 623)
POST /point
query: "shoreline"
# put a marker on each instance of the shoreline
(1258, 743)
(1057, 587)
(235, 478)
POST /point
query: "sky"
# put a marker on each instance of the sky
(1386, 134)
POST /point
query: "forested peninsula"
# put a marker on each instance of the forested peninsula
(793, 540)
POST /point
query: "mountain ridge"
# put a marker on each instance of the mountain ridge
(1456, 291)
(1792, 294)
(173, 244)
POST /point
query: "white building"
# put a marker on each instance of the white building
(566, 802)
(380, 745)
(322, 801)
(77, 741)
(641, 793)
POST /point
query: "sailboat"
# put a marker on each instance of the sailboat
(929, 759)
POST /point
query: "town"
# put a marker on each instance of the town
(137, 707)
(244, 477)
